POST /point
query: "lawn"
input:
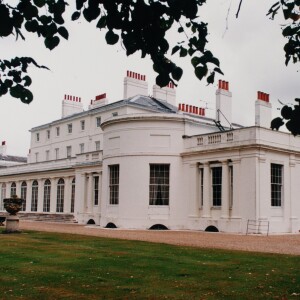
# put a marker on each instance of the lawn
(35, 265)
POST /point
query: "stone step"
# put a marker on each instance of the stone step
(49, 217)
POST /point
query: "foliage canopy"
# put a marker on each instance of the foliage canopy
(134, 23)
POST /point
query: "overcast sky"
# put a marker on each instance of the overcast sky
(250, 51)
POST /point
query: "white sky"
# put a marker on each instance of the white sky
(251, 55)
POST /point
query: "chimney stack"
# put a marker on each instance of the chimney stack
(71, 105)
(263, 110)
(167, 93)
(3, 148)
(100, 100)
(191, 109)
(135, 84)
(224, 104)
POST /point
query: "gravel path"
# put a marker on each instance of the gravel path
(283, 244)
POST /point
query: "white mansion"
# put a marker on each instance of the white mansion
(143, 161)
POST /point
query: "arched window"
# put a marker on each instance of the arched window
(24, 194)
(13, 189)
(60, 195)
(47, 193)
(3, 195)
(34, 195)
(73, 195)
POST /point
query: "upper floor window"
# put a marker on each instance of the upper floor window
(82, 125)
(216, 186)
(159, 184)
(97, 145)
(57, 131)
(70, 128)
(98, 121)
(37, 137)
(276, 184)
(36, 157)
(47, 154)
(81, 148)
(115, 114)
(48, 134)
(56, 153)
(69, 151)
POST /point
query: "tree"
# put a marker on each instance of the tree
(135, 23)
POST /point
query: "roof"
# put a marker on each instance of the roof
(140, 101)
(11, 158)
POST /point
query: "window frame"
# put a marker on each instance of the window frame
(57, 130)
(276, 180)
(114, 184)
(98, 122)
(34, 195)
(216, 186)
(23, 195)
(82, 125)
(96, 190)
(47, 195)
(60, 195)
(69, 128)
(159, 184)
(69, 151)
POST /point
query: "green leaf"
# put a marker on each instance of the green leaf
(111, 37)
(211, 78)
(162, 80)
(102, 22)
(27, 80)
(63, 32)
(218, 70)
(39, 3)
(175, 49)
(183, 52)
(177, 73)
(201, 72)
(75, 16)
(51, 42)
(195, 61)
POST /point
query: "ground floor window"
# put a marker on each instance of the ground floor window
(159, 184)
(60, 195)
(276, 184)
(73, 195)
(3, 195)
(23, 195)
(96, 190)
(216, 173)
(47, 194)
(34, 195)
(114, 174)
(13, 189)
(230, 186)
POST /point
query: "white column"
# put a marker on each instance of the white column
(225, 190)
(79, 205)
(29, 195)
(89, 194)
(100, 192)
(67, 196)
(53, 195)
(206, 191)
(194, 190)
(18, 188)
(236, 188)
(40, 195)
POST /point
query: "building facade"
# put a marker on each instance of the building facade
(143, 161)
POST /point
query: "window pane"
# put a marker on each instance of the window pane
(159, 184)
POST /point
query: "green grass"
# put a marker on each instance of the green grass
(35, 265)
